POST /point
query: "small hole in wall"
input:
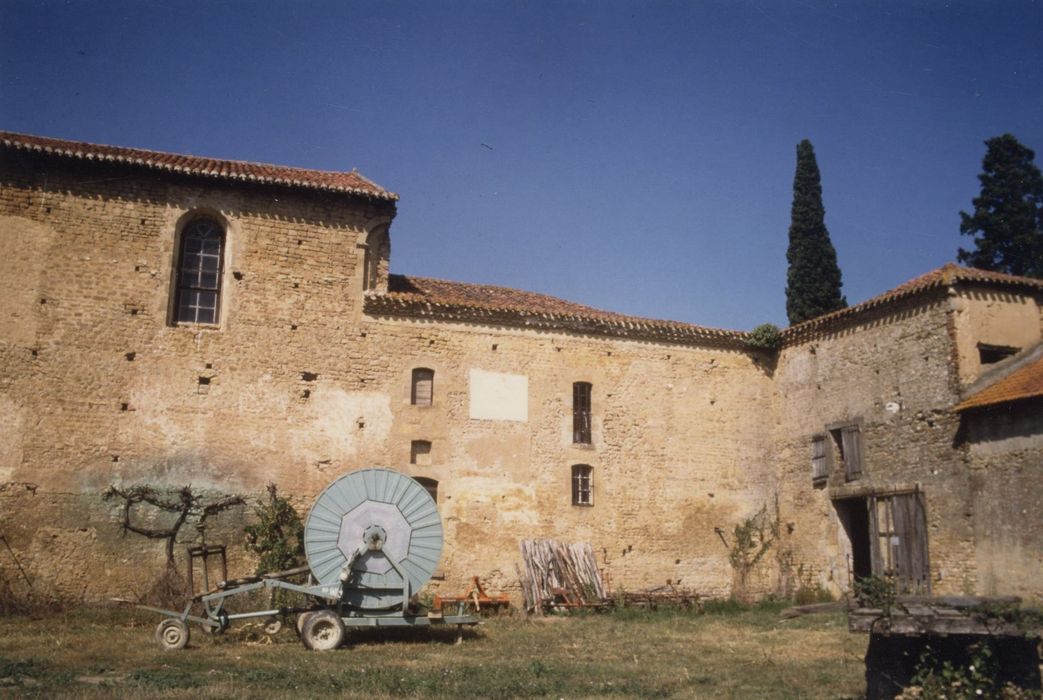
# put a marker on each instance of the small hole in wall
(238, 275)
(130, 356)
(362, 334)
(115, 458)
(47, 210)
(677, 561)
(142, 222)
(293, 326)
(306, 393)
(309, 376)
(495, 346)
(139, 268)
(204, 381)
(124, 406)
(300, 242)
(295, 285)
(361, 423)
(209, 365)
(557, 349)
(431, 342)
(609, 353)
(668, 357)
(34, 352)
(43, 301)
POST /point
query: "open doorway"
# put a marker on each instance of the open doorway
(888, 536)
(854, 516)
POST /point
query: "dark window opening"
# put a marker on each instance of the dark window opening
(420, 453)
(422, 393)
(581, 413)
(430, 485)
(199, 272)
(582, 485)
(991, 354)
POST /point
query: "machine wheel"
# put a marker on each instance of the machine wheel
(323, 631)
(301, 619)
(172, 634)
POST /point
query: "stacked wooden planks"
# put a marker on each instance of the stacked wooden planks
(557, 573)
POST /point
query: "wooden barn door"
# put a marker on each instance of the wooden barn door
(899, 546)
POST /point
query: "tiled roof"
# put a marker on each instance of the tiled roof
(1024, 382)
(345, 182)
(458, 301)
(939, 278)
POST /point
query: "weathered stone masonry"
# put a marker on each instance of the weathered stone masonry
(308, 375)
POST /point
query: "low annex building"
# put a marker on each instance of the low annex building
(173, 320)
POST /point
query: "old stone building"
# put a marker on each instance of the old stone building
(172, 320)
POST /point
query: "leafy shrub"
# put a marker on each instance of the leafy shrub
(278, 536)
(766, 336)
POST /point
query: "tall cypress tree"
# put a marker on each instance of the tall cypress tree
(813, 280)
(1009, 212)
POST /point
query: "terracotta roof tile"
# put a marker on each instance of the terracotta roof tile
(423, 297)
(345, 182)
(944, 276)
(1025, 382)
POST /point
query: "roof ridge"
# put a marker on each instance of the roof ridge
(349, 182)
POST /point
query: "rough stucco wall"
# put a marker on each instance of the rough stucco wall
(301, 388)
(993, 318)
(96, 389)
(895, 374)
(1006, 447)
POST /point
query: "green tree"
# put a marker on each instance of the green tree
(1007, 223)
(813, 280)
(278, 537)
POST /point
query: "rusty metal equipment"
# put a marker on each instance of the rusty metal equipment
(372, 539)
(474, 598)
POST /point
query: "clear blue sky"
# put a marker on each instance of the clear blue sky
(634, 156)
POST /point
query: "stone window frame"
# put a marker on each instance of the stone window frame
(419, 395)
(582, 401)
(177, 283)
(582, 485)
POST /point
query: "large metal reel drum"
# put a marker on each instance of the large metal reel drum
(388, 523)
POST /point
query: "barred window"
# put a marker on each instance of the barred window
(422, 393)
(199, 270)
(581, 413)
(582, 485)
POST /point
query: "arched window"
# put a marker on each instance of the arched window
(582, 485)
(581, 413)
(423, 389)
(199, 266)
(430, 484)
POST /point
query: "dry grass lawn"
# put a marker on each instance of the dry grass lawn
(629, 654)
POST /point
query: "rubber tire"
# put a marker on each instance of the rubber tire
(172, 634)
(323, 631)
(299, 624)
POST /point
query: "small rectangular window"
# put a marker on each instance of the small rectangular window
(582, 485)
(423, 387)
(420, 453)
(991, 354)
(581, 413)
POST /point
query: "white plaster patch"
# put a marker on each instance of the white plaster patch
(341, 421)
(499, 396)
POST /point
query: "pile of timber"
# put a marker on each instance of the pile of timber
(560, 575)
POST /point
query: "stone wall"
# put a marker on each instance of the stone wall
(296, 386)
